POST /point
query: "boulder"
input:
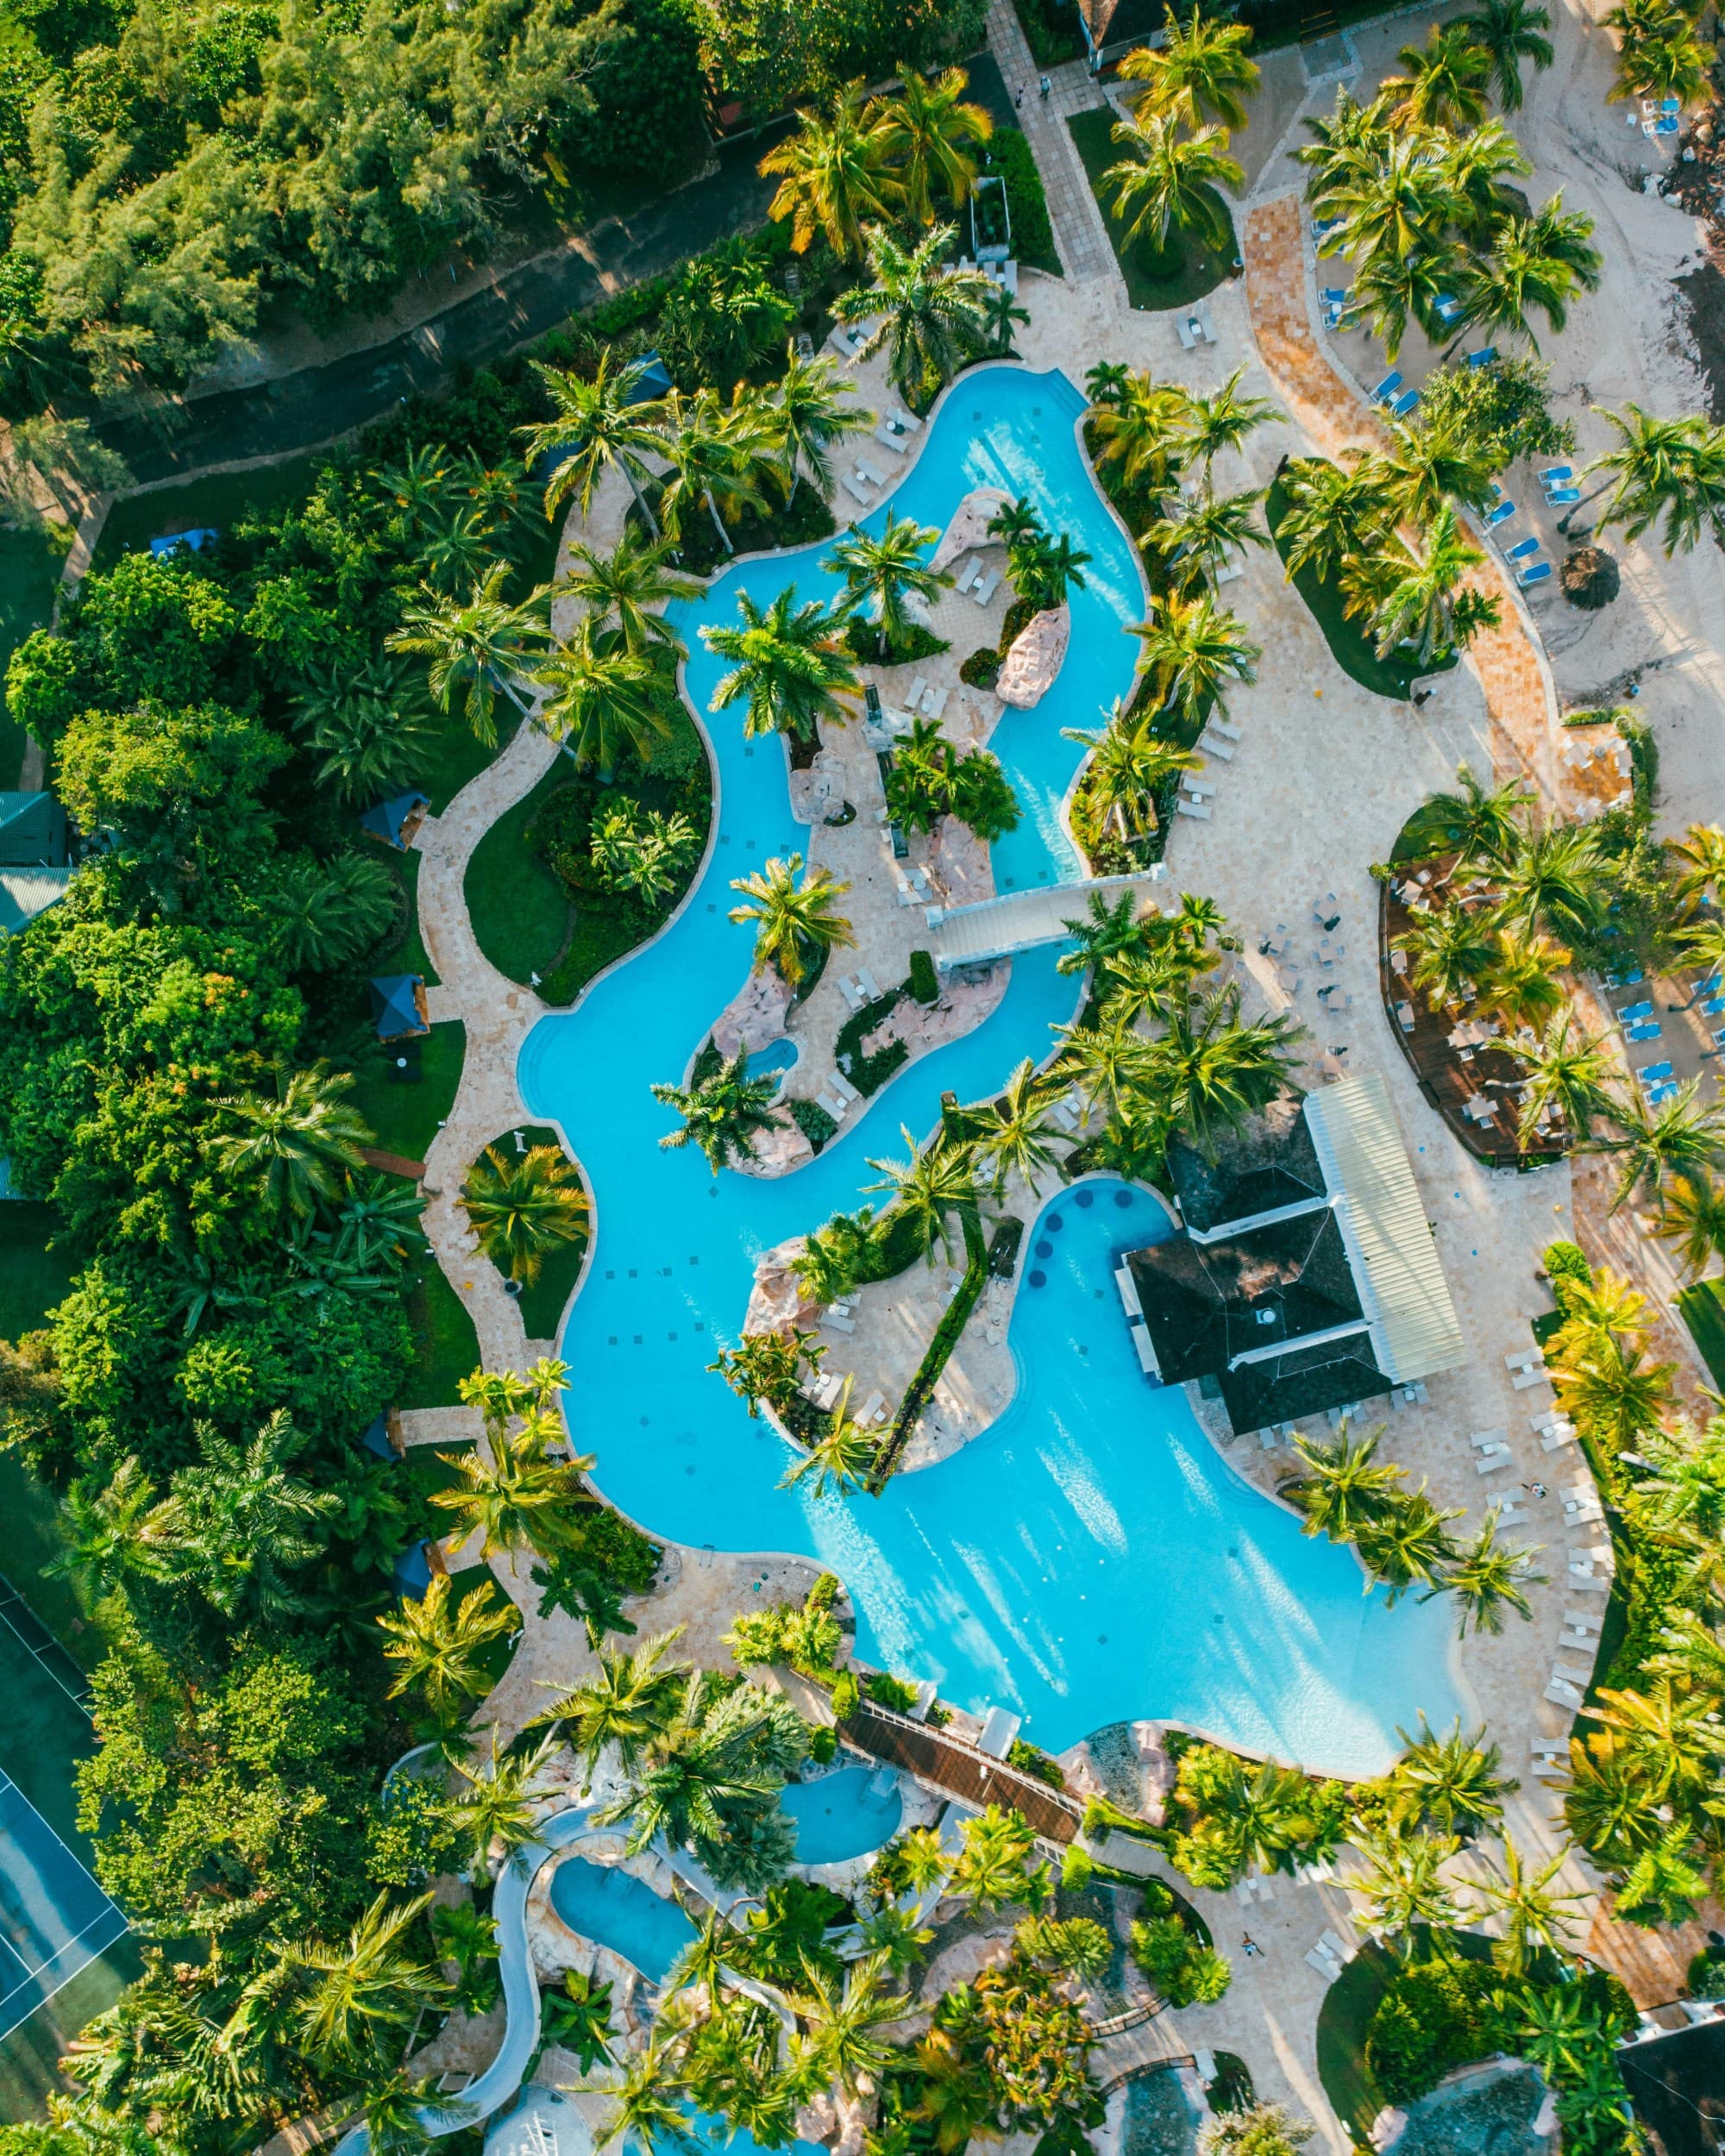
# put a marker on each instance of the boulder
(778, 1150)
(777, 1301)
(969, 529)
(1036, 656)
(754, 1016)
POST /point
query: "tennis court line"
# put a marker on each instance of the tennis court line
(79, 1699)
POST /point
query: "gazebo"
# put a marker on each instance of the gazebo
(398, 1007)
(395, 822)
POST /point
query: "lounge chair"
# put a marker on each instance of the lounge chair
(906, 420)
(967, 574)
(1335, 295)
(1645, 1030)
(1232, 733)
(1562, 1693)
(840, 1084)
(934, 701)
(1501, 515)
(1448, 307)
(1521, 549)
(1489, 1440)
(851, 488)
(1404, 403)
(1557, 475)
(918, 690)
(1584, 1620)
(842, 343)
(1518, 1359)
(1713, 1006)
(1198, 788)
(1490, 1463)
(1558, 495)
(1483, 357)
(1184, 807)
(867, 470)
(986, 586)
(1217, 748)
(1538, 573)
(1386, 389)
(870, 986)
(1633, 1014)
(832, 1321)
(1554, 1440)
(871, 1407)
(1228, 569)
(1326, 1965)
(1536, 1377)
(888, 439)
(1182, 330)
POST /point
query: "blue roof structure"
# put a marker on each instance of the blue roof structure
(397, 1006)
(394, 820)
(413, 1571)
(205, 537)
(375, 1438)
(653, 381)
(31, 830)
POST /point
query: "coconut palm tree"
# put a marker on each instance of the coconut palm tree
(647, 2108)
(1423, 609)
(1682, 1137)
(1536, 1921)
(624, 589)
(885, 569)
(928, 1187)
(927, 136)
(1443, 84)
(1558, 876)
(721, 456)
(1668, 472)
(1347, 143)
(1191, 647)
(1666, 1884)
(1569, 1070)
(1199, 71)
(795, 921)
(1539, 262)
(1408, 1544)
(1509, 32)
(1198, 537)
(992, 1871)
(813, 411)
(1001, 314)
(1478, 823)
(1450, 948)
(1670, 1724)
(1611, 1388)
(1142, 429)
(767, 1366)
(630, 1701)
(115, 1533)
(722, 1111)
(1701, 852)
(1390, 291)
(1332, 513)
(1616, 1803)
(1018, 1133)
(1170, 182)
(1404, 1883)
(830, 175)
(1661, 55)
(789, 666)
(523, 1206)
(1209, 1072)
(928, 319)
(596, 426)
(1453, 1782)
(441, 1648)
(500, 1809)
(844, 2026)
(1344, 1487)
(1109, 931)
(358, 1997)
(1223, 420)
(510, 1494)
(1487, 1577)
(1395, 201)
(839, 1457)
(1692, 1216)
(475, 648)
(1128, 765)
(1426, 467)
(1521, 980)
(295, 1150)
(603, 699)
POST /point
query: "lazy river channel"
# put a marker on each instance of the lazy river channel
(1090, 1559)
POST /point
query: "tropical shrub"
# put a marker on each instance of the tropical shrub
(1434, 2016)
(922, 982)
(981, 668)
(1183, 1969)
(1009, 153)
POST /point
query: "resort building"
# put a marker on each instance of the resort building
(1306, 1277)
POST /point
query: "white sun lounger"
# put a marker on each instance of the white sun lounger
(1584, 1620)
(1199, 788)
(1490, 1462)
(900, 418)
(934, 702)
(841, 1084)
(1555, 1439)
(872, 1406)
(888, 439)
(834, 1322)
(1530, 1377)
(1325, 1963)
(1562, 1693)
(986, 586)
(1489, 1440)
(853, 489)
(1220, 749)
(877, 479)
(1182, 330)
(1221, 726)
(967, 575)
(833, 1104)
(1184, 807)
(1340, 1948)
(1573, 1636)
(918, 690)
(1522, 1358)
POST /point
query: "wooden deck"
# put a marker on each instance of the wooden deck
(960, 1770)
(1445, 1080)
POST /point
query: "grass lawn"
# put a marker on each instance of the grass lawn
(520, 910)
(29, 570)
(542, 1304)
(1156, 277)
(215, 500)
(447, 1346)
(1703, 1312)
(405, 1117)
(451, 754)
(33, 1278)
(1350, 647)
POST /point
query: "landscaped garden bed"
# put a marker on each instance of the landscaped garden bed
(1158, 278)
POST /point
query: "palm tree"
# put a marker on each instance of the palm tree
(510, 1494)
(1669, 469)
(813, 411)
(1450, 949)
(603, 699)
(720, 456)
(1141, 428)
(790, 665)
(1556, 876)
(630, 1701)
(926, 317)
(1128, 765)
(1444, 84)
(927, 1187)
(839, 1457)
(1453, 1782)
(1197, 538)
(1190, 647)
(1568, 1070)
(1348, 142)
(624, 588)
(1209, 1072)
(1109, 932)
(1509, 32)
(1017, 1129)
(647, 2108)
(991, 1870)
(1408, 1544)
(1693, 1217)
(523, 1206)
(596, 426)
(1390, 291)
(1344, 1487)
(442, 1648)
(1535, 1921)
(500, 1810)
(766, 1365)
(1702, 851)
(1424, 608)
(1683, 1136)
(1332, 513)
(113, 1533)
(1616, 1802)
(1660, 56)
(1395, 203)
(1487, 1577)
(830, 176)
(1522, 979)
(294, 1151)
(395, 2112)
(1201, 69)
(843, 2027)
(1532, 262)
(1001, 313)
(925, 135)
(886, 571)
(793, 923)
(360, 1995)
(1612, 1388)
(1168, 182)
(1476, 823)
(328, 912)
(476, 648)
(1405, 1885)
(723, 1110)
(1427, 466)
(1672, 1726)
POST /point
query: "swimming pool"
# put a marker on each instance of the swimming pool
(849, 1814)
(614, 1908)
(1090, 1558)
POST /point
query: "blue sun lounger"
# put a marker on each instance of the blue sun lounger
(1633, 1014)
(1502, 514)
(1557, 496)
(1448, 308)
(1521, 550)
(1537, 574)
(1713, 1006)
(1648, 1030)
(1625, 979)
(1335, 295)
(1557, 475)
(1653, 1074)
(1404, 403)
(1386, 389)
(1483, 357)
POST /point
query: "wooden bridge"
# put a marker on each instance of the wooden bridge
(960, 1770)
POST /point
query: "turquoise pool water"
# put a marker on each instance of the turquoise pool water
(615, 1909)
(843, 1814)
(1090, 1558)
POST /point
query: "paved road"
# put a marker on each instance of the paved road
(299, 411)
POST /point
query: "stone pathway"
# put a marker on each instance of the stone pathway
(1080, 239)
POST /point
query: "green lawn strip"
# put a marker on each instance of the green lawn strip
(519, 908)
(542, 1304)
(406, 1118)
(1156, 277)
(29, 570)
(409, 954)
(1703, 1308)
(1350, 647)
(213, 501)
(33, 1278)
(448, 1348)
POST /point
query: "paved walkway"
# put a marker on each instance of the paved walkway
(1080, 239)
